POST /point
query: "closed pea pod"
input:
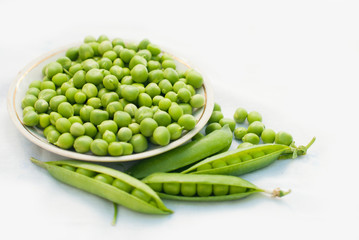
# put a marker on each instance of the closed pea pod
(248, 159)
(100, 184)
(186, 187)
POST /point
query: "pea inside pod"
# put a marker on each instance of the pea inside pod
(244, 160)
(189, 187)
(107, 183)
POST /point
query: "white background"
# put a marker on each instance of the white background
(296, 62)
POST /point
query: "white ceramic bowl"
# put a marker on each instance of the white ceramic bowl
(33, 71)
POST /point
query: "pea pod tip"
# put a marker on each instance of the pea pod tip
(278, 192)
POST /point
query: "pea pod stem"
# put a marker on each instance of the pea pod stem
(277, 192)
(295, 151)
(115, 213)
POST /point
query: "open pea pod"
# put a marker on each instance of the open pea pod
(190, 187)
(108, 183)
(245, 160)
(184, 155)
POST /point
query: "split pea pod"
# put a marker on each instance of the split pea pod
(245, 160)
(184, 155)
(190, 187)
(107, 183)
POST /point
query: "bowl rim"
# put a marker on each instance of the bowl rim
(24, 130)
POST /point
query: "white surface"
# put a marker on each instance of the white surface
(296, 62)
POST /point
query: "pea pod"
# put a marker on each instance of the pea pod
(108, 183)
(245, 160)
(190, 187)
(185, 154)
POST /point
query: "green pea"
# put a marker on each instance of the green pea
(117, 72)
(171, 75)
(75, 68)
(122, 185)
(65, 86)
(94, 76)
(124, 134)
(216, 116)
(53, 136)
(65, 109)
(135, 128)
(90, 129)
(212, 127)
(104, 47)
(234, 160)
(130, 109)
(28, 109)
(197, 101)
(283, 138)
(254, 116)
(144, 100)
(118, 61)
(108, 125)
(74, 119)
(139, 73)
(137, 59)
(47, 94)
(251, 137)
(89, 64)
(194, 78)
(55, 101)
(52, 69)
(68, 167)
(256, 127)
(172, 188)
(72, 53)
(236, 189)
(85, 112)
(219, 164)
(162, 118)
(176, 113)
(35, 84)
(162, 136)
(147, 126)
(216, 107)
(127, 148)
(110, 82)
(109, 136)
(164, 104)
(110, 55)
(240, 132)
(244, 145)
(130, 93)
(187, 109)
(82, 144)
(175, 131)
(127, 54)
(268, 135)
(104, 178)
(258, 154)
(141, 195)
(229, 121)
(165, 86)
(48, 129)
(105, 63)
(115, 149)
(246, 157)
(169, 64)
(28, 100)
(187, 121)
(220, 189)
(86, 172)
(97, 116)
(31, 119)
(142, 113)
(80, 97)
(171, 96)
(156, 76)
(118, 42)
(41, 106)
(152, 89)
(63, 125)
(65, 141)
(47, 85)
(59, 79)
(86, 51)
(122, 119)
(33, 91)
(99, 147)
(113, 107)
(54, 116)
(94, 102)
(77, 129)
(204, 190)
(154, 49)
(139, 143)
(184, 95)
(240, 115)
(153, 65)
(188, 189)
(109, 97)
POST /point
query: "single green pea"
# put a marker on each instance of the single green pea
(139, 73)
(156, 76)
(41, 106)
(244, 145)
(97, 116)
(258, 154)
(44, 120)
(35, 84)
(90, 129)
(99, 147)
(240, 115)
(188, 189)
(52, 69)
(162, 118)
(148, 126)
(246, 157)
(118, 61)
(72, 53)
(135, 128)
(130, 109)
(117, 72)
(110, 82)
(143, 44)
(283, 138)
(89, 64)
(156, 100)
(217, 107)
(141, 195)
(109, 136)
(65, 62)
(191, 89)
(47, 94)
(219, 164)
(109, 97)
(104, 47)
(172, 188)
(111, 55)
(176, 112)
(108, 125)
(220, 189)
(124, 134)
(105, 63)
(212, 127)
(75, 68)
(122, 119)
(47, 85)
(85, 112)
(251, 137)
(166, 56)
(153, 65)
(161, 135)
(70, 94)
(53, 136)
(59, 79)
(27, 109)
(127, 148)
(28, 100)
(77, 129)
(80, 97)
(197, 101)
(187, 121)
(86, 51)
(194, 78)
(164, 104)
(137, 59)
(139, 143)
(48, 129)
(268, 135)
(165, 86)
(179, 85)
(152, 89)
(82, 144)
(54, 116)
(94, 76)
(68, 167)
(63, 125)
(184, 95)
(154, 49)
(256, 127)
(171, 75)
(144, 100)
(204, 190)
(240, 132)
(33, 91)
(130, 93)
(171, 95)
(142, 113)
(175, 131)
(115, 149)
(86, 172)
(229, 121)
(254, 116)
(74, 119)
(127, 54)
(122, 185)
(31, 119)
(234, 160)
(216, 116)
(65, 86)
(65, 141)
(169, 64)
(104, 178)
(113, 107)
(56, 100)
(65, 109)
(187, 108)
(118, 42)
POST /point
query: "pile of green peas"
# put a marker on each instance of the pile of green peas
(253, 134)
(113, 98)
